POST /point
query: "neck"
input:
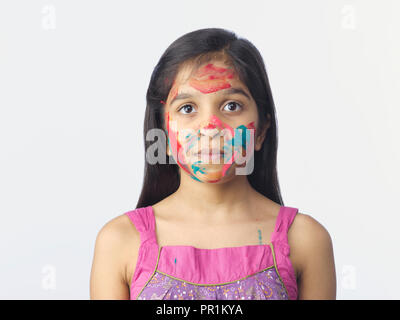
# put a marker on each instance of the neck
(215, 201)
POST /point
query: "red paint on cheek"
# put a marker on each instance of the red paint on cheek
(167, 122)
(175, 145)
(251, 125)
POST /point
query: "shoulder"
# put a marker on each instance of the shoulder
(307, 229)
(117, 240)
(308, 236)
(312, 248)
(108, 273)
(116, 231)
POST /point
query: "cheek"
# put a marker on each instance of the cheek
(188, 139)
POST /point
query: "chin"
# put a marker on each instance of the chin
(215, 175)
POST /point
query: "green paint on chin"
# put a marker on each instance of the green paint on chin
(196, 168)
(259, 235)
(194, 178)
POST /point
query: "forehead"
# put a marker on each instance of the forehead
(209, 76)
(214, 69)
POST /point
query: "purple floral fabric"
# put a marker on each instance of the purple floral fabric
(264, 285)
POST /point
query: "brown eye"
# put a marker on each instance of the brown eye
(187, 108)
(233, 106)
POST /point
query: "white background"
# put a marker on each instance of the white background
(73, 79)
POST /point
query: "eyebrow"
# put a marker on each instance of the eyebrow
(225, 92)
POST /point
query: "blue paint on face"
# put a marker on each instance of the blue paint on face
(240, 138)
(230, 147)
(194, 178)
(197, 168)
(190, 141)
(169, 144)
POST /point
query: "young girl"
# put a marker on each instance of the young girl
(210, 222)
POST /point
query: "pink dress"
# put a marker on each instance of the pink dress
(181, 272)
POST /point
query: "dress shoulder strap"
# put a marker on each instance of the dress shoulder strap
(283, 222)
(280, 243)
(144, 222)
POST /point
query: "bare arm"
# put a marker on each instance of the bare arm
(108, 277)
(317, 279)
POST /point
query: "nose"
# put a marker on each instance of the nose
(211, 127)
(211, 134)
(209, 131)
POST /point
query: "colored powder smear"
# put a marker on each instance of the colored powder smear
(208, 79)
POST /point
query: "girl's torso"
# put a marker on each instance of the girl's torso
(249, 230)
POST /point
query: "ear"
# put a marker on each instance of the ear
(261, 135)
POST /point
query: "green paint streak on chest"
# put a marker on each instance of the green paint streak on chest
(259, 236)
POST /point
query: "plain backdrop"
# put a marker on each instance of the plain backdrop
(73, 79)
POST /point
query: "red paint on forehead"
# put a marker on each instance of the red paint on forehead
(207, 79)
(174, 92)
(210, 78)
(213, 71)
(209, 86)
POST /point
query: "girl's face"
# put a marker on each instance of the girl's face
(210, 118)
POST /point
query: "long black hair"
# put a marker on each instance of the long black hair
(162, 179)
